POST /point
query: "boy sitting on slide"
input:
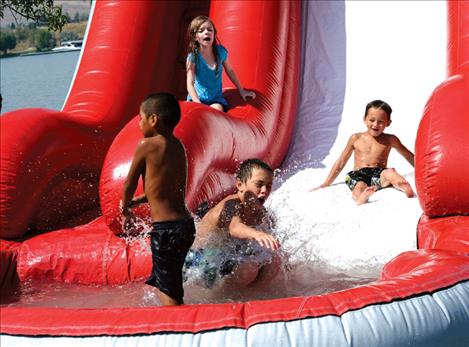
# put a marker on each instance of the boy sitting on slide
(371, 151)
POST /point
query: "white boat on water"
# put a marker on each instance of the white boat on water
(69, 46)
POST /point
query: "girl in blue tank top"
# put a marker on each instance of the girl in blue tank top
(204, 65)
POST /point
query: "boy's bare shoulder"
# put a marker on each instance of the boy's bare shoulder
(391, 138)
(216, 210)
(355, 137)
(220, 214)
(230, 199)
(151, 143)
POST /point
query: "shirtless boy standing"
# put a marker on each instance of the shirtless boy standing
(371, 151)
(160, 159)
(222, 245)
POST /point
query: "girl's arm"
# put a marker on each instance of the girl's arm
(232, 75)
(339, 164)
(190, 80)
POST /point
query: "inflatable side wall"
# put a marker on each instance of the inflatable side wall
(215, 141)
(50, 178)
(442, 146)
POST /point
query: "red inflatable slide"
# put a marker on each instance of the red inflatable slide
(66, 154)
(61, 184)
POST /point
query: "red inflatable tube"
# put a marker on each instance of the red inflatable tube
(458, 37)
(8, 270)
(45, 175)
(442, 146)
(50, 165)
(87, 254)
(444, 233)
(411, 272)
(215, 143)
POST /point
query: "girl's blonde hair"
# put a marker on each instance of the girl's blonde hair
(193, 47)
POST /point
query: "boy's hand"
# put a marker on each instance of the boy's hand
(127, 217)
(321, 186)
(266, 240)
(245, 94)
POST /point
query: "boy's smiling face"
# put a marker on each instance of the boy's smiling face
(376, 120)
(259, 184)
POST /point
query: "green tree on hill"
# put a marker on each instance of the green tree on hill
(7, 41)
(43, 39)
(38, 11)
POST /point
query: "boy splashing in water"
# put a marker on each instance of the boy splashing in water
(222, 247)
(160, 159)
(371, 151)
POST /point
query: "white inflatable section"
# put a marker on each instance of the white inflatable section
(357, 51)
(426, 321)
(353, 53)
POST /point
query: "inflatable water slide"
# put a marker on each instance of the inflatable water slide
(62, 174)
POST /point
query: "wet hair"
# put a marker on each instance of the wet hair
(165, 105)
(245, 169)
(380, 105)
(193, 47)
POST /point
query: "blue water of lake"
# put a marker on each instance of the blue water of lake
(36, 80)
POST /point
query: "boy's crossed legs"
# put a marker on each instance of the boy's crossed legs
(389, 177)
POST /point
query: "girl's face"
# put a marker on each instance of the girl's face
(205, 34)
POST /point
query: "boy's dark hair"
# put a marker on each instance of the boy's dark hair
(165, 105)
(380, 105)
(245, 169)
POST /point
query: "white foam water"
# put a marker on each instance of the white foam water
(327, 244)
(325, 230)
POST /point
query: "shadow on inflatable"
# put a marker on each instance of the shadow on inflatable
(61, 185)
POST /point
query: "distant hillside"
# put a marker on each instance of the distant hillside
(72, 7)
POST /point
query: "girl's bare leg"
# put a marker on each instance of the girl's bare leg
(391, 177)
(218, 107)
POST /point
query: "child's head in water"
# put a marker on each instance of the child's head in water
(158, 111)
(254, 180)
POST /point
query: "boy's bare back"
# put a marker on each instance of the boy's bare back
(165, 178)
(160, 159)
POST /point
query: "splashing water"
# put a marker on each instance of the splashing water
(327, 244)
(326, 231)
